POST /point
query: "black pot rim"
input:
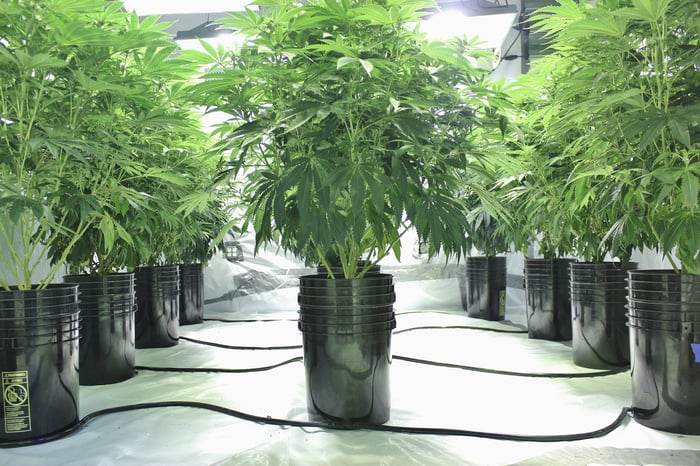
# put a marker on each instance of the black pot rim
(113, 277)
(54, 290)
(665, 273)
(374, 280)
(653, 324)
(346, 310)
(346, 330)
(671, 303)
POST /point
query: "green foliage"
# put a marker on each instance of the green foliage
(492, 228)
(98, 147)
(350, 127)
(621, 100)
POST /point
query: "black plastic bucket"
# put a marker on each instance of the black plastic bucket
(47, 315)
(350, 320)
(600, 337)
(157, 306)
(191, 294)
(347, 348)
(334, 327)
(547, 299)
(670, 306)
(325, 301)
(347, 373)
(681, 316)
(38, 361)
(33, 334)
(660, 296)
(107, 336)
(665, 350)
(347, 309)
(36, 304)
(486, 287)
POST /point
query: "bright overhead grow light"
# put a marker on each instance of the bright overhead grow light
(209, 32)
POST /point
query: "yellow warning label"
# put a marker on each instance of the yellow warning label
(15, 402)
(501, 303)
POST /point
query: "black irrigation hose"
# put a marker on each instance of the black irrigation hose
(573, 375)
(551, 375)
(245, 321)
(236, 347)
(520, 328)
(353, 426)
(267, 420)
(548, 375)
(218, 369)
(462, 327)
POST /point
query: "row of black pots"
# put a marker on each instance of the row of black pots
(582, 302)
(346, 327)
(83, 332)
(659, 335)
(588, 308)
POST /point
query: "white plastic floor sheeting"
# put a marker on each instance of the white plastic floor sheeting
(422, 395)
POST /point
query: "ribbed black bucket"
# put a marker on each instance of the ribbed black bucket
(347, 346)
(157, 306)
(486, 287)
(600, 337)
(107, 336)
(191, 294)
(547, 299)
(665, 351)
(39, 333)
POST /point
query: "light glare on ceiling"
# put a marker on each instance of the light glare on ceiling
(166, 7)
(491, 30)
(226, 39)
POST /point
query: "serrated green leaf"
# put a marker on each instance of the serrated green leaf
(368, 66)
(343, 61)
(681, 132)
(669, 175)
(108, 234)
(689, 188)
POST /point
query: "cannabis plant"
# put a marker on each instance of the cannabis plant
(349, 126)
(631, 92)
